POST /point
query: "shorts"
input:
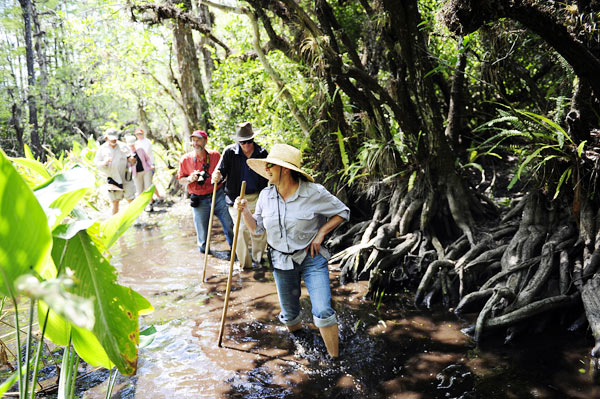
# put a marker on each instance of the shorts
(128, 192)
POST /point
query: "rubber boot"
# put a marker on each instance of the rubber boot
(331, 338)
(295, 327)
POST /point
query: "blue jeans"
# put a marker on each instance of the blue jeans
(315, 273)
(202, 214)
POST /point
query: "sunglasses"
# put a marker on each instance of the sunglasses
(246, 142)
(269, 165)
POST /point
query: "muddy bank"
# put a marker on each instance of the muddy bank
(388, 350)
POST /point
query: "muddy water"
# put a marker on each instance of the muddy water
(390, 351)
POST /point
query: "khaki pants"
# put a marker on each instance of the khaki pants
(246, 238)
(142, 180)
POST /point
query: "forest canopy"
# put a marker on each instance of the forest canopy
(463, 134)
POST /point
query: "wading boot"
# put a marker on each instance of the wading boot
(331, 338)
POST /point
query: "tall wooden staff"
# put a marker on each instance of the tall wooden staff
(235, 237)
(210, 222)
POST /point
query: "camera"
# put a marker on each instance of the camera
(199, 176)
(202, 177)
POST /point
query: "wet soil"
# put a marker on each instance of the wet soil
(388, 350)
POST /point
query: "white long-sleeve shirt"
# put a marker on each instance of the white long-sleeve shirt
(116, 169)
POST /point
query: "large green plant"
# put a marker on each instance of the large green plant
(547, 154)
(47, 238)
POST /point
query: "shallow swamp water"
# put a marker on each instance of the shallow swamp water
(390, 350)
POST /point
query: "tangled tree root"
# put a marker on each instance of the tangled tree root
(539, 259)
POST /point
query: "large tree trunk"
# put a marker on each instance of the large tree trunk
(26, 7)
(190, 79)
(42, 60)
(207, 19)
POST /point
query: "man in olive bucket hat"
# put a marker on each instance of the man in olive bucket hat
(234, 170)
(297, 214)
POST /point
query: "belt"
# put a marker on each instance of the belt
(281, 252)
(202, 196)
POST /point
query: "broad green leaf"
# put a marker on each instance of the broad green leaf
(90, 349)
(57, 328)
(143, 305)
(25, 240)
(110, 231)
(68, 230)
(59, 195)
(34, 166)
(115, 306)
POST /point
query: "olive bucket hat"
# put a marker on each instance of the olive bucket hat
(243, 132)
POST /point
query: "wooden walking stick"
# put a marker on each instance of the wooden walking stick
(210, 222)
(235, 237)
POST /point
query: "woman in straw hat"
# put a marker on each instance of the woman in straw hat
(297, 214)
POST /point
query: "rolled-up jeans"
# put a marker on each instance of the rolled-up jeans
(202, 214)
(315, 273)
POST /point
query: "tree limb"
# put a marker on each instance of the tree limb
(161, 12)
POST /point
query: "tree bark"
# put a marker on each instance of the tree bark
(191, 86)
(26, 7)
(207, 19)
(455, 108)
(42, 60)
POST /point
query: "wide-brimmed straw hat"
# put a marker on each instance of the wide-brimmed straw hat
(129, 139)
(243, 132)
(283, 155)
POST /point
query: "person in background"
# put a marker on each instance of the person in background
(141, 168)
(234, 169)
(297, 214)
(144, 143)
(111, 160)
(195, 170)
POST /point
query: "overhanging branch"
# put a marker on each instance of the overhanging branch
(155, 14)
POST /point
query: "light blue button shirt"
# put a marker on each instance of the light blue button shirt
(291, 225)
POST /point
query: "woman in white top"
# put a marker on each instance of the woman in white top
(297, 214)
